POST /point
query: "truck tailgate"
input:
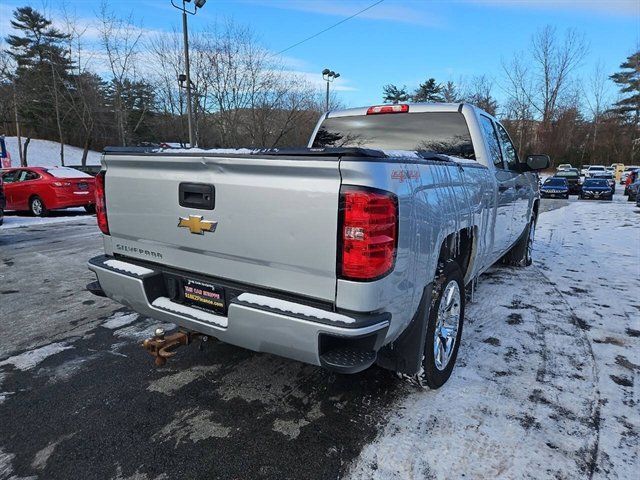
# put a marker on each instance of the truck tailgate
(276, 217)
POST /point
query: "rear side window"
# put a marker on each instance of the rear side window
(10, 177)
(439, 132)
(489, 133)
(508, 150)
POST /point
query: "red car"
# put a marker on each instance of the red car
(40, 189)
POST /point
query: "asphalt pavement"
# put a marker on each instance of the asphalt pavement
(79, 398)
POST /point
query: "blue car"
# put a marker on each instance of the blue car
(596, 188)
(555, 187)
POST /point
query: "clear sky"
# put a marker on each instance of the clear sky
(397, 41)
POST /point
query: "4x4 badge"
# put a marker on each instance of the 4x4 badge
(197, 225)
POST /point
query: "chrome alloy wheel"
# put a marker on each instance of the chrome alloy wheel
(448, 322)
(36, 206)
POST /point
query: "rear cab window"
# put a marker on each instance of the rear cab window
(444, 133)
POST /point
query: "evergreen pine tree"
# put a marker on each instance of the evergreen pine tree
(393, 94)
(429, 91)
(629, 82)
(43, 70)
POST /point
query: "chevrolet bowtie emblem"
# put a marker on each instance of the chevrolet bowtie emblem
(197, 225)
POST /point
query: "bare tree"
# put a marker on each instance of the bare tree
(554, 61)
(249, 99)
(537, 84)
(479, 91)
(596, 98)
(120, 40)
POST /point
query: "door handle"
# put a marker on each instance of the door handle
(197, 195)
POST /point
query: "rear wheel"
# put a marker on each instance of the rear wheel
(444, 328)
(520, 254)
(37, 207)
(1, 216)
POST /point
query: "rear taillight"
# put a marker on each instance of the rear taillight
(101, 203)
(368, 236)
(379, 109)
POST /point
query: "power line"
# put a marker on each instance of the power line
(332, 26)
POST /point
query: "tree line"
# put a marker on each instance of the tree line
(122, 87)
(118, 85)
(547, 107)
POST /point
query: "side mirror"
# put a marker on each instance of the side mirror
(538, 162)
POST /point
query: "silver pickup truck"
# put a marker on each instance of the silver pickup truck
(353, 251)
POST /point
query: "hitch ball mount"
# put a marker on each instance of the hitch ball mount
(163, 347)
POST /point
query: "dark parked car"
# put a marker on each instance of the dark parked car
(596, 188)
(632, 190)
(572, 175)
(609, 178)
(555, 187)
(632, 176)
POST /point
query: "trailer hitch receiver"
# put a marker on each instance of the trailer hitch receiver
(163, 346)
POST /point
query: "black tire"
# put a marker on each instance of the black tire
(1, 216)
(566, 196)
(37, 207)
(630, 199)
(520, 253)
(434, 375)
(90, 209)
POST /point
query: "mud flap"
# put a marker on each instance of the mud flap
(404, 355)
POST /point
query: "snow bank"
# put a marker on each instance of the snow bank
(69, 215)
(45, 153)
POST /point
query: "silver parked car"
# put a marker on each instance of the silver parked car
(352, 251)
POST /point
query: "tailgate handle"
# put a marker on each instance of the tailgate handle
(197, 195)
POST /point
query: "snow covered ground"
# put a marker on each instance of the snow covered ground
(546, 384)
(23, 219)
(45, 153)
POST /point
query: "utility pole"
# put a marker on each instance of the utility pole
(185, 32)
(328, 76)
(23, 163)
(187, 67)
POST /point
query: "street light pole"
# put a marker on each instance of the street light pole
(193, 142)
(188, 73)
(328, 76)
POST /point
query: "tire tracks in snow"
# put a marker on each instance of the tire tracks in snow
(520, 404)
(595, 398)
